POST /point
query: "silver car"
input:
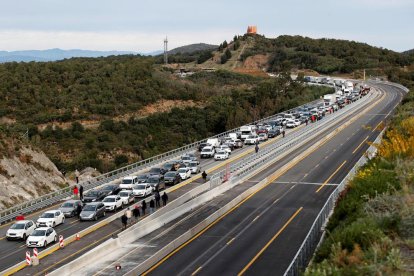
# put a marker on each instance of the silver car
(70, 208)
(194, 167)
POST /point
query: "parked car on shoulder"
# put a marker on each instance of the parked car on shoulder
(172, 178)
(184, 173)
(70, 207)
(221, 155)
(41, 237)
(142, 189)
(263, 137)
(20, 230)
(127, 196)
(207, 152)
(194, 167)
(113, 202)
(251, 140)
(93, 195)
(93, 211)
(156, 182)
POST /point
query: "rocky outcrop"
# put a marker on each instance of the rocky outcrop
(26, 175)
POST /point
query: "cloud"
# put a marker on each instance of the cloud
(131, 41)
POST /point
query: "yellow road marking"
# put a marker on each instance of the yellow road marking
(230, 241)
(379, 124)
(270, 242)
(332, 175)
(2, 238)
(196, 271)
(360, 145)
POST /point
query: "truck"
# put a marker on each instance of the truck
(246, 131)
(329, 99)
(214, 142)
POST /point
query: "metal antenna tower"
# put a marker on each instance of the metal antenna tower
(166, 50)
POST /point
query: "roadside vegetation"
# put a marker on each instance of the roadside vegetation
(371, 231)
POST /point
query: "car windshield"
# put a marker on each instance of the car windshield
(155, 170)
(123, 194)
(220, 152)
(67, 205)
(186, 158)
(144, 176)
(170, 174)
(193, 164)
(127, 181)
(251, 137)
(152, 180)
(89, 208)
(109, 187)
(206, 149)
(17, 226)
(182, 170)
(109, 199)
(92, 193)
(47, 215)
(38, 233)
(140, 187)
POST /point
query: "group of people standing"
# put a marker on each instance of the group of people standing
(154, 203)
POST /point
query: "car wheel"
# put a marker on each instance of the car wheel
(95, 218)
(24, 237)
(53, 224)
(45, 244)
(104, 214)
(55, 239)
(63, 220)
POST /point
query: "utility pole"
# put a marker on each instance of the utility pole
(364, 74)
(166, 50)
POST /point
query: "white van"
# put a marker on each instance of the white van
(214, 142)
(128, 182)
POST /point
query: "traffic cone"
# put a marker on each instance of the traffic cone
(77, 236)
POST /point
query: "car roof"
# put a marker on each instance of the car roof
(51, 211)
(71, 200)
(111, 196)
(43, 228)
(22, 221)
(130, 177)
(93, 203)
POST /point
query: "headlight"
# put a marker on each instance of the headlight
(90, 216)
(94, 199)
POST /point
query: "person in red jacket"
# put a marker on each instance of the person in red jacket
(75, 191)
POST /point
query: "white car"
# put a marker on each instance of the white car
(221, 155)
(297, 122)
(20, 230)
(251, 140)
(194, 167)
(41, 237)
(225, 148)
(184, 173)
(50, 218)
(142, 189)
(127, 196)
(263, 137)
(290, 124)
(207, 152)
(113, 202)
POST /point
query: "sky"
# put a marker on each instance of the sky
(142, 25)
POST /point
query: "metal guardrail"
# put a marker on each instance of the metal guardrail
(56, 196)
(314, 235)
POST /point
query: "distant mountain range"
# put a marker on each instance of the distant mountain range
(409, 52)
(59, 54)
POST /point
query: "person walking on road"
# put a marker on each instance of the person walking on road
(152, 206)
(143, 207)
(124, 221)
(77, 174)
(306, 121)
(164, 198)
(204, 175)
(75, 191)
(79, 209)
(136, 213)
(81, 192)
(256, 148)
(157, 198)
(128, 214)
(283, 133)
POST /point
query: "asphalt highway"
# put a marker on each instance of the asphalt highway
(263, 234)
(13, 252)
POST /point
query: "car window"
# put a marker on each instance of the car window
(57, 213)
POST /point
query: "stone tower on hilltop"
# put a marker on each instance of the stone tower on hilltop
(252, 30)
